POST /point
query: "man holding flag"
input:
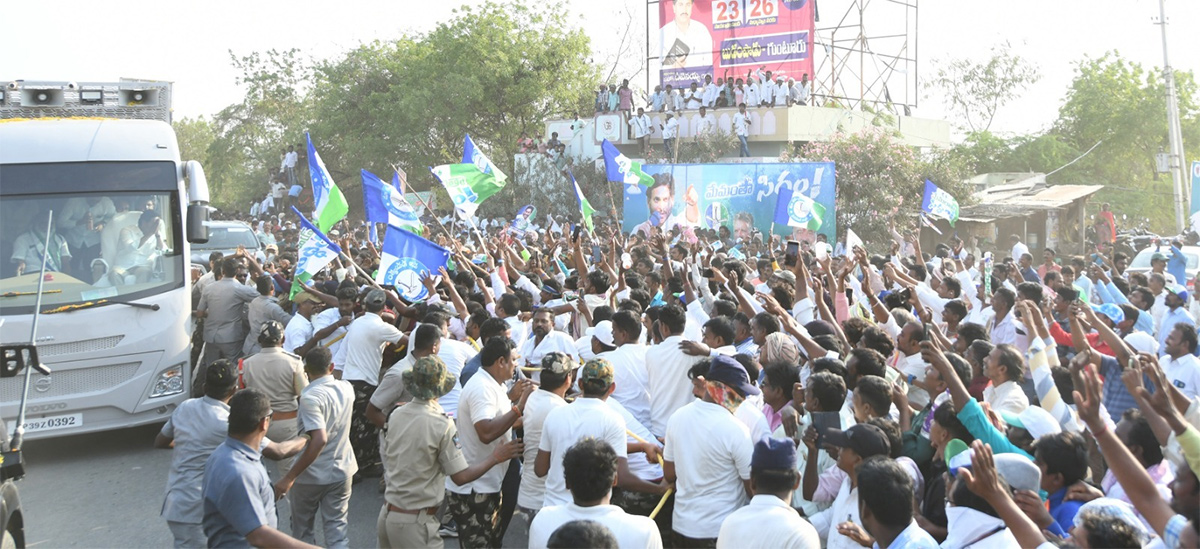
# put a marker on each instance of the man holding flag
(406, 260)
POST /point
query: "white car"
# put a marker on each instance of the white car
(1141, 262)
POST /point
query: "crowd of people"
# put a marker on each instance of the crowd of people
(643, 390)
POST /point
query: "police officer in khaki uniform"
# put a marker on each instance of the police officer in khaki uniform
(422, 449)
(280, 375)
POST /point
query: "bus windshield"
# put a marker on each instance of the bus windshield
(116, 233)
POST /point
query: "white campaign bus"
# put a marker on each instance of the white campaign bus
(116, 309)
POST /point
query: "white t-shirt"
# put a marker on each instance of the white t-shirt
(711, 451)
(767, 522)
(483, 398)
(667, 380)
(533, 352)
(631, 531)
(537, 407)
(322, 320)
(298, 331)
(455, 354)
(637, 462)
(1184, 373)
(362, 352)
(706, 125)
(640, 125)
(566, 425)
(631, 379)
(741, 124)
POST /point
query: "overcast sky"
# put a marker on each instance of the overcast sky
(188, 42)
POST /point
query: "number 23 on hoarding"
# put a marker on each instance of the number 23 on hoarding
(728, 11)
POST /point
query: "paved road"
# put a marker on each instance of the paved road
(106, 490)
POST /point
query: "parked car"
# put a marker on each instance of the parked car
(1141, 262)
(225, 237)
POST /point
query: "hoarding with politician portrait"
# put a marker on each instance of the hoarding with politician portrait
(727, 38)
(742, 197)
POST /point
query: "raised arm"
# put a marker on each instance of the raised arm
(1138, 485)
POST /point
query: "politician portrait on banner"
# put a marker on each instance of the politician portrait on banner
(731, 38)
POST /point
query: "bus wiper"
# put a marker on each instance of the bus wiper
(97, 303)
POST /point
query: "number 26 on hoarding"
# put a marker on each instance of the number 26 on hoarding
(728, 11)
(763, 8)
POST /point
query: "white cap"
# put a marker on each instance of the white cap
(603, 332)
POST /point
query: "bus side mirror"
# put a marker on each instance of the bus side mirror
(197, 223)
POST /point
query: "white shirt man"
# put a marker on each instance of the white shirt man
(482, 398)
(333, 341)
(670, 128)
(640, 124)
(741, 124)
(632, 379)
(1006, 397)
(1019, 249)
(707, 124)
(781, 94)
(753, 94)
(362, 353)
(290, 159)
(564, 426)
(533, 350)
(710, 95)
(277, 190)
(668, 382)
(1184, 373)
(767, 92)
(695, 38)
(134, 250)
(711, 451)
(596, 462)
(537, 409)
(769, 522)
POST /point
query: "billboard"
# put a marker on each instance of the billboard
(731, 37)
(741, 197)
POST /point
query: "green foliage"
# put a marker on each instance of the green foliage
(879, 177)
(699, 150)
(252, 136)
(1119, 108)
(495, 71)
(976, 91)
(195, 135)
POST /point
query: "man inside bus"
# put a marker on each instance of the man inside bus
(30, 245)
(137, 249)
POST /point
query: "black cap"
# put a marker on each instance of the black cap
(865, 439)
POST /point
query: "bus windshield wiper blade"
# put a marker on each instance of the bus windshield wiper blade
(97, 303)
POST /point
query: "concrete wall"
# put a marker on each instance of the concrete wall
(770, 129)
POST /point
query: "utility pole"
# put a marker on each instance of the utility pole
(1174, 133)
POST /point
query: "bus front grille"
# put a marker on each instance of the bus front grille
(67, 383)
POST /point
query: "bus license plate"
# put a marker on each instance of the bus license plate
(53, 422)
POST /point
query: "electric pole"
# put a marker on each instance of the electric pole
(1174, 133)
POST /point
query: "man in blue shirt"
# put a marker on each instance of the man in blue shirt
(1063, 460)
(239, 501)
(1176, 262)
(1177, 313)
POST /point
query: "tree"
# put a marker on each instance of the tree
(975, 91)
(879, 177)
(251, 136)
(496, 71)
(195, 135)
(1122, 106)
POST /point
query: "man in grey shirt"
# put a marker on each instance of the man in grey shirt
(195, 429)
(221, 305)
(239, 506)
(321, 476)
(263, 308)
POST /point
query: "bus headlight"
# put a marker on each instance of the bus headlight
(169, 382)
